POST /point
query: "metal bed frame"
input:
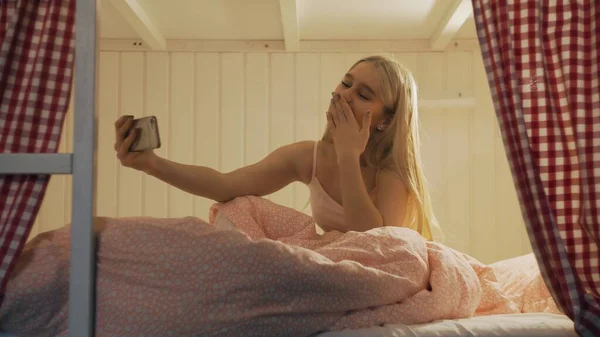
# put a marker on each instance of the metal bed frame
(81, 165)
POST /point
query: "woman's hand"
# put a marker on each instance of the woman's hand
(349, 139)
(142, 161)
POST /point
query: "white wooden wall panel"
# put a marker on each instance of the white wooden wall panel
(208, 119)
(307, 110)
(281, 127)
(256, 97)
(482, 127)
(157, 65)
(232, 112)
(458, 81)
(225, 110)
(131, 102)
(181, 139)
(108, 111)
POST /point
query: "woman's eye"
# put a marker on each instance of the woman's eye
(348, 85)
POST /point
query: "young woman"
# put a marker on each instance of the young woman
(365, 172)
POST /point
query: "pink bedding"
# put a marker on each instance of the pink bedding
(273, 276)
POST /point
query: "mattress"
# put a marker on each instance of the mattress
(510, 325)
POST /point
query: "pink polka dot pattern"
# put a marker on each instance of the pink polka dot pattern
(270, 276)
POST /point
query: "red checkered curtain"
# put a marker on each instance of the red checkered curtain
(36, 70)
(541, 59)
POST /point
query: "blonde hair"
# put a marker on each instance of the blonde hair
(396, 148)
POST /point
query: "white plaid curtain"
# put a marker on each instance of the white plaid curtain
(541, 59)
(36, 69)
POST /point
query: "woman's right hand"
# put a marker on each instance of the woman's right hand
(142, 161)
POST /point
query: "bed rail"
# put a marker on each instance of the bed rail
(81, 165)
(83, 258)
(36, 163)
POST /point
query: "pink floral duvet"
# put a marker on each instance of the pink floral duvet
(271, 275)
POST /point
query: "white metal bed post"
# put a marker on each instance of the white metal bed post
(82, 165)
(83, 243)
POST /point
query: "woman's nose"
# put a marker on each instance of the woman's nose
(347, 94)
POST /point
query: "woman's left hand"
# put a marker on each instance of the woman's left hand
(349, 138)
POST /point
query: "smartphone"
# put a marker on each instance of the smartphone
(148, 138)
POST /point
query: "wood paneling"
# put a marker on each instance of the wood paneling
(225, 110)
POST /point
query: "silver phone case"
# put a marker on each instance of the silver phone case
(149, 137)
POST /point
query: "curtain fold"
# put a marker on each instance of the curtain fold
(541, 60)
(36, 68)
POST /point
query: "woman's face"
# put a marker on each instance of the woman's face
(362, 89)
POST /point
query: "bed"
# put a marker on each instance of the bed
(522, 325)
(519, 325)
(512, 325)
(292, 303)
(520, 276)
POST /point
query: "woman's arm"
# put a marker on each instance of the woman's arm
(271, 174)
(360, 213)
(280, 168)
(392, 199)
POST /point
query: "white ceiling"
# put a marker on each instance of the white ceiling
(262, 19)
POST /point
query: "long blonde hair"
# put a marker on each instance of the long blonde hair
(396, 148)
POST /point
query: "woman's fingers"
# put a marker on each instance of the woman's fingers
(330, 118)
(348, 112)
(335, 115)
(122, 121)
(340, 108)
(122, 126)
(126, 144)
(122, 131)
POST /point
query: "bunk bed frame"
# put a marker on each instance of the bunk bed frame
(81, 165)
